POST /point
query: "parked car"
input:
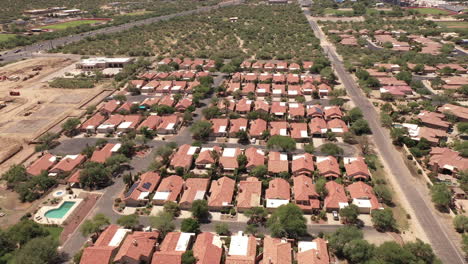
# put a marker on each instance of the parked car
(335, 216)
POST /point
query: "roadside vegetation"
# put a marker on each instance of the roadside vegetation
(256, 34)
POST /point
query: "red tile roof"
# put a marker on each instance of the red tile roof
(249, 258)
(302, 164)
(445, 158)
(220, 125)
(151, 122)
(137, 247)
(357, 169)
(303, 188)
(296, 110)
(228, 159)
(43, 163)
(194, 189)
(221, 192)
(299, 131)
(68, 163)
(278, 162)
(105, 152)
(101, 252)
(93, 122)
(279, 128)
(360, 190)
(244, 105)
(75, 177)
(318, 125)
(146, 184)
(208, 248)
(336, 195)
(255, 157)
(206, 156)
(278, 188)
(331, 112)
(319, 255)
(167, 253)
(276, 251)
(110, 106)
(329, 167)
(337, 126)
(183, 157)
(172, 184)
(250, 192)
(257, 127)
(237, 125)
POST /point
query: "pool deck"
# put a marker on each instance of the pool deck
(40, 217)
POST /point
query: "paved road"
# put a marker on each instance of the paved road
(28, 51)
(436, 231)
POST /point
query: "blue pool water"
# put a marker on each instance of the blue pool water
(61, 211)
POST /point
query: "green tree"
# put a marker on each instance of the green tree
(355, 114)
(94, 175)
(257, 215)
(38, 250)
(212, 112)
(465, 243)
(383, 220)
(259, 171)
(190, 225)
(331, 149)
(386, 120)
(287, 221)
(383, 193)
(309, 148)
(441, 195)
(129, 221)
(69, 126)
(188, 258)
(405, 76)
(282, 142)
(243, 137)
(327, 74)
(358, 251)
(200, 209)
(222, 229)
(7, 244)
(26, 230)
(94, 226)
(421, 251)
(201, 130)
(391, 252)
(341, 237)
(349, 214)
(172, 208)
(460, 222)
(463, 128)
(320, 187)
(360, 127)
(164, 152)
(15, 174)
(163, 222)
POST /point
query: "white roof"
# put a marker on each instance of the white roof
(71, 157)
(293, 105)
(116, 147)
(229, 152)
(125, 124)
(261, 90)
(337, 130)
(283, 156)
(192, 150)
(243, 128)
(306, 245)
(343, 205)
(260, 151)
(118, 237)
(283, 132)
(275, 203)
(304, 133)
(276, 91)
(282, 103)
(347, 160)
(295, 157)
(183, 242)
(222, 129)
(52, 159)
(239, 245)
(170, 126)
(143, 195)
(362, 203)
(292, 92)
(161, 195)
(199, 195)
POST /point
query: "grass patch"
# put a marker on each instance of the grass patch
(69, 24)
(431, 11)
(137, 13)
(453, 24)
(54, 231)
(72, 83)
(5, 37)
(337, 12)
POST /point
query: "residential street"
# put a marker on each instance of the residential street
(439, 234)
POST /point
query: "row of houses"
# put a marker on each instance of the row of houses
(301, 132)
(114, 106)
(276, 78)
(164, 87)
(221, 193)
(189, 64)
(278, 90)
(280, 66)
(119, 245)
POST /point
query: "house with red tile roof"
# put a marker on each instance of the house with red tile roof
(44, 163)
(226, 105)
(294, 67)
(281, 66)
(447, 161)
(336, 197)
(124, 108)
(242, 249)
(296, 111)
(137, 247)
(111, 124)
(167, 101)
(269, 66)
(249, 77)
(261, 106)
(363, 197)
(109, 107)
(337, 126)
(324, 89)
(105, 247)
(178, 87)
(257, 66)
(356, 169)
(169, 125)
(169, 189)
(307, 65)
(293, 78)
(263, 89)
(233, 86)
(219, 127)
(206, 157)
(74, 179)
(149, 102)
(245, 65)
(246, 89)
(276, 251)
(294, 91)
(138, 193)
(305, 195)
(265, 77)
(137, 83)
(186, 63)
(279, 80)
(68, 163)
(194, 189)
(332, 112)
(151, 122)
(460, 112)
(183, 104)
(228, 159)
(314, 252)
(208, 248)
(454, 82)
(279, 128)
(101, 155)
(277, 162)
(302, 164)
(400, 91)
(129, 123)
(328, 167)
(210, 65)
(278, 193)
(307, 88)
(278, 90)
(257, 127)
(191, 86)
(315, 111)
(299, 132)
(221, 193)
(433, 120)
(249, 194)
(244, 106)
(172, 248)
(255, 157)
(183, 157)
(236, 125)
(318, 127)
(90, 125)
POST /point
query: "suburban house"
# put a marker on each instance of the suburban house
(183, 104)
(68, 163)
(305, 195)
(172, 248)
(328, 167)
(90, 125)
(447, 161)
(106, 246)
(296, 111)
(169, 190)
(194, 189)
(255, 157)
(337, 126)
(276, 251)
(228, 159)
(249, 194)
(101, 155)
(137, 248)
(313, 252)
(138, 193)
(261, 106)
(277, 162)
(257, 127)
(433, 120)
(318, 127)
(109, 107)
(205, 159)
(242, 249)
(183, 158)
(208, 248)
(459, 111)
(44, 163)
(302, 164)
(279, 109)
(263, 89)
(336, 197)
(356, 169)
(244, 106)
(236, 125)
(279, 128)
(169, 124)
(363, 197)
(151, 122)
(332, 112)
(278, 193)
(299, 132)
(111, 124)
(219, 126)
(315, 111)
(221, 193)
(129, 123)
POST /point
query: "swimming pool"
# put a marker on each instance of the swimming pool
(61, 211)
